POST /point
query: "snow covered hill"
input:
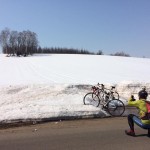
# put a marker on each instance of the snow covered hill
(72, 69)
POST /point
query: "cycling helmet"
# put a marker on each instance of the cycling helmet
(143, 94)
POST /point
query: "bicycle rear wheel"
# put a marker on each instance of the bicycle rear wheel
(91, 99)
(115, 107)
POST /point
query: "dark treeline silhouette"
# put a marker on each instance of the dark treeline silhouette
(121, 54)
(18, 43)
(63, 51)
(25, 43)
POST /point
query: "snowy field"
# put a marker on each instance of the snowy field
(47, 86)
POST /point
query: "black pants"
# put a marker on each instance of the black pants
(134, 119)
(130, 121)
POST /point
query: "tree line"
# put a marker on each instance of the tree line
(18, 43)
(57, 50)
(25, 43)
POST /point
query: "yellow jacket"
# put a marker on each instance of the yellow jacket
(141, 105)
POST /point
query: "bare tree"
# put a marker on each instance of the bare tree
(19, 43)
(100, 52)
(33, 42)
(29, 42)
(13, 42)
(121, 54)
(4, 39)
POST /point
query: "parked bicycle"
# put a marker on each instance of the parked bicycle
(109, 93)
(100, 93)
(107, 98)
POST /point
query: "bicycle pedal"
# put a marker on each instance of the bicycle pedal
(104, 107)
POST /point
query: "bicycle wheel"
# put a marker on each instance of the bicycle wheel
(115, 107)
(91, 99)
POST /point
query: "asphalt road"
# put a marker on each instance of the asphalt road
(87, 134)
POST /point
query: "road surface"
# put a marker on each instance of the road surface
(87, 134)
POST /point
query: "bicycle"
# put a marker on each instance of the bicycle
(100, 92)
(93, 97)
(109, 93)
(99, 96)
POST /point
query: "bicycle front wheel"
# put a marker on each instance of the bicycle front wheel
(115, 107)
(91, 99)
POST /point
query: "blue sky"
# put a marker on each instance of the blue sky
(107, 25)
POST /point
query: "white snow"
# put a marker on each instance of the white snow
(46, 86)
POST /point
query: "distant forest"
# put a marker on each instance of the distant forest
(63, 51)
(26, 43)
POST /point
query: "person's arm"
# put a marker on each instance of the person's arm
(132, 102)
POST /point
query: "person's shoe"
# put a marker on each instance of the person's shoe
(131, 133)
(148, 134)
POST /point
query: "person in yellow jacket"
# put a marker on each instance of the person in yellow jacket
(141, 105)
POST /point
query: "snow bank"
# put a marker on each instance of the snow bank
(51, 101)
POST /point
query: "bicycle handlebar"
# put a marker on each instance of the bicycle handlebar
(103, 87)
(113, 87)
